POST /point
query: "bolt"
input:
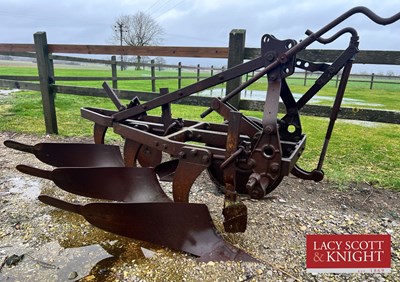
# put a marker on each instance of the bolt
(270, 56)
(181, 154)
(274, 167)
(283, 58)
(251, 183)
(205, 159)
(256, 193)
(255, 190)
(193, 152)
(272, 77)
(268, 129)
(251, 163)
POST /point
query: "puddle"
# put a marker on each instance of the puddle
(258, 95)
(27, 189)
(7, 92)
(361, 122)
(53, 262)
(77, 252)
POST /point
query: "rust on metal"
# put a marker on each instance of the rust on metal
(244, 156)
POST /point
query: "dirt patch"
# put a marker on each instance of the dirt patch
(60, 246)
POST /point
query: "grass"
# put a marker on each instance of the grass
(357, 153)
(383, 96)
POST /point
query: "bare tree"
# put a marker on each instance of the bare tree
(139, 29)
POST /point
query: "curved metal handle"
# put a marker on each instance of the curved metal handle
(374, 17)
(360, 9)
(321, 40)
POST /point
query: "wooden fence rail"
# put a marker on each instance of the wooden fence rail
(369, 79)
(236, 53)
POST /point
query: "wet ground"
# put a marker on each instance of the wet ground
(47, 244)
(259, 95)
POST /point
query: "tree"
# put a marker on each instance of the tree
(160, 61)
(139, 29)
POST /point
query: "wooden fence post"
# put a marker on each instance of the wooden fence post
(212, 71)
(337, 80)
(52, 75)
(179, 75)
(114, 72)
(46, 80)
(51, 66)
(372, 81)
(305, 78)
(153, 76)
(235, 57)
(198, 72)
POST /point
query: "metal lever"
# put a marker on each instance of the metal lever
(113, 96)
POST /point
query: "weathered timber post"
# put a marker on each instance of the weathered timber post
(212, 71)
(46, 79)
(237, 39)
(153, 76)
(51, 65)
(179, 75)
(372, 81)
(198, 72)
(114, 72)
(305, 78)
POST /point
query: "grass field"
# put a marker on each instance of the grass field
(383, 96)
(359, 152)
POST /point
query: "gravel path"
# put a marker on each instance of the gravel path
(60, 246)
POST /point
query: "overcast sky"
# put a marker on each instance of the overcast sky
(195, 22)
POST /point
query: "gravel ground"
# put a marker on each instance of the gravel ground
(60, 246)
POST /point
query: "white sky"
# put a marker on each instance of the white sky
(196, 22)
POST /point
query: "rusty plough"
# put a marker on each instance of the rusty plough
(242, 155)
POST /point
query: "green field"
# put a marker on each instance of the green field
(358, 153)
(383, 96)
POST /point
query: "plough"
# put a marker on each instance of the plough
(242, 155)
